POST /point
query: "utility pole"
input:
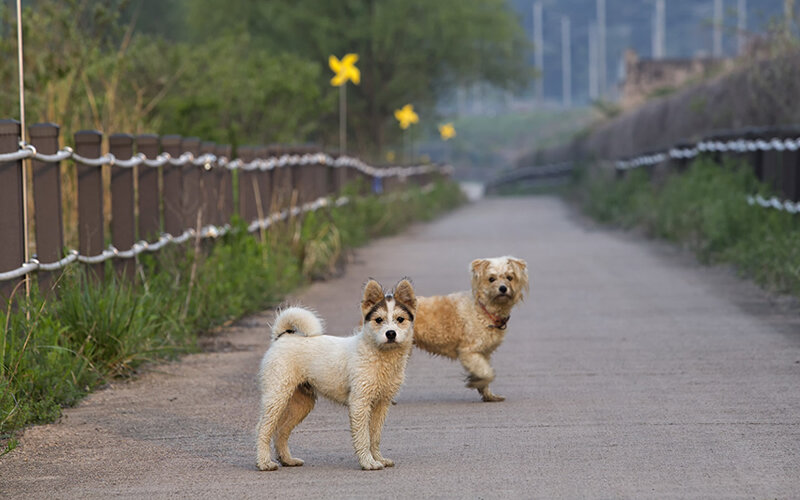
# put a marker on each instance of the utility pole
(717, 48)
(601, 47)
(593, 87)
(659, 30)
(566, 63)
(538, 47)
(741, 27)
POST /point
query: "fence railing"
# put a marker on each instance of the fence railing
(773, 153)
(163, 190)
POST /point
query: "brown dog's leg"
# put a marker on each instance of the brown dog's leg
(480, 375)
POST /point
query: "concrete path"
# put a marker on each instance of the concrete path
(631, 372)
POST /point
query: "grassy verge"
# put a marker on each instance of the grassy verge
(704, 209)
(55, 350)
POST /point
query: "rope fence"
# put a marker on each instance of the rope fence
(207, 160)
(774, 155)
(740, 146)
(185, 191)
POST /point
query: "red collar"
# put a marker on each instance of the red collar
(498, 322)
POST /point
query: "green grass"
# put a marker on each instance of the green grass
(704, 209)
(54, 350)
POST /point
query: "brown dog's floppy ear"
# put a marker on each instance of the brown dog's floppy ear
(373, 294)
(521, 270)
(477, 266)
(404, 292)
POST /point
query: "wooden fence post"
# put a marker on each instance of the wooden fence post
(789, 162)
(772, 164)
(123, 231)
(793, 177)
(247, 185)
(147, 178)
(225, 183)
(209, 186)
(264, 183)
(755, 158)
(285, 181)
(90, 198)
(12, 236)
(322, 175)
(172, 183)
(47, 200)
(190, 189)
(303, 180)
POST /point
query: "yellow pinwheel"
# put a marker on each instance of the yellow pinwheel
(447, 131)
(406, 116)
(345, 70)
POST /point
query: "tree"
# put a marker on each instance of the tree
(411, 51)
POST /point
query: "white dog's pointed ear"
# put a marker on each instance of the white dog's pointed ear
(404, 292)
(373, 294)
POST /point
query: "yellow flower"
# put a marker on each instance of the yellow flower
(390, 156)
(406, 116)
(447, 131)
(345, 70)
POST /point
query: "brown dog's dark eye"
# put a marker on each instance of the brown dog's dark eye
(379, 320)
(400, 319)
(491, 280)
(509, 278)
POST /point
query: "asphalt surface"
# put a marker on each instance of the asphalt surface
(630, 372)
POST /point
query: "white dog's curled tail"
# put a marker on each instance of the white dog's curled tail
(298, 321)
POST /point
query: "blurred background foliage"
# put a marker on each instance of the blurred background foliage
(245, 72)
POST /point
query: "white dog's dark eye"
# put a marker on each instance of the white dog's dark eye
(379, 320)
(509, 278)
(491, 280)
(400, 319)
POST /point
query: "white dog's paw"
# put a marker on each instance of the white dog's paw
(371, 464)
(386, 462)
(291, 462)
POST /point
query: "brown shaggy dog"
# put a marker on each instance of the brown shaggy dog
(469, 326)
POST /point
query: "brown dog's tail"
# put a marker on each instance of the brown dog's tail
(297, 321)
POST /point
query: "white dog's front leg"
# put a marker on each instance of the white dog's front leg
(379, 412)
(360, 413)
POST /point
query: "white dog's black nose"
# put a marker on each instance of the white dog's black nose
(391, 335)
(503, 289)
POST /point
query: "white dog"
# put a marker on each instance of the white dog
(363, 371)
(469, 326)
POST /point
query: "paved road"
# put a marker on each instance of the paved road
(630, 372)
